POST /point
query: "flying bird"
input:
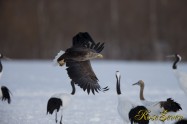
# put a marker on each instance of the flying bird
(181, 76)
(4, 91)
(157, 107)
(83, 48)
(127, 109)
(60, 101)
(77, 59)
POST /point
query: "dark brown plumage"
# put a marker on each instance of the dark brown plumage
(84, 48)
(77, 59)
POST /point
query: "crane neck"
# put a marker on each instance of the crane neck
(118, 90)
(73, 88)
(141, 92)
(175, 62)
(1, 67)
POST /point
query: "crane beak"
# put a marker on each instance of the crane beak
(99, 56)
(7, 58)
(170, 56)
(136, 83)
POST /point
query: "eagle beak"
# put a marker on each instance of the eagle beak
(99, 56)
(61, 62)
(136, 83)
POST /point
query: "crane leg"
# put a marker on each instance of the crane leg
(61, 119)
(56, 117)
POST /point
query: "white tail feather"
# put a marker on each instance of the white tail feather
(57, 56)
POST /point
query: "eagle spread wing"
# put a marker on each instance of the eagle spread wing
(81, 72)
(84, 41)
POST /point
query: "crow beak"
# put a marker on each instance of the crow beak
(100, 56)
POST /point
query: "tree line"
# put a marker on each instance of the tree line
(131, 29)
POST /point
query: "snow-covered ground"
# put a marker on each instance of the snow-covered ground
(32, 83)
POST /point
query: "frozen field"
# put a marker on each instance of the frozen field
(33, 82)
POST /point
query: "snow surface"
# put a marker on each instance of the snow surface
(32, 83)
